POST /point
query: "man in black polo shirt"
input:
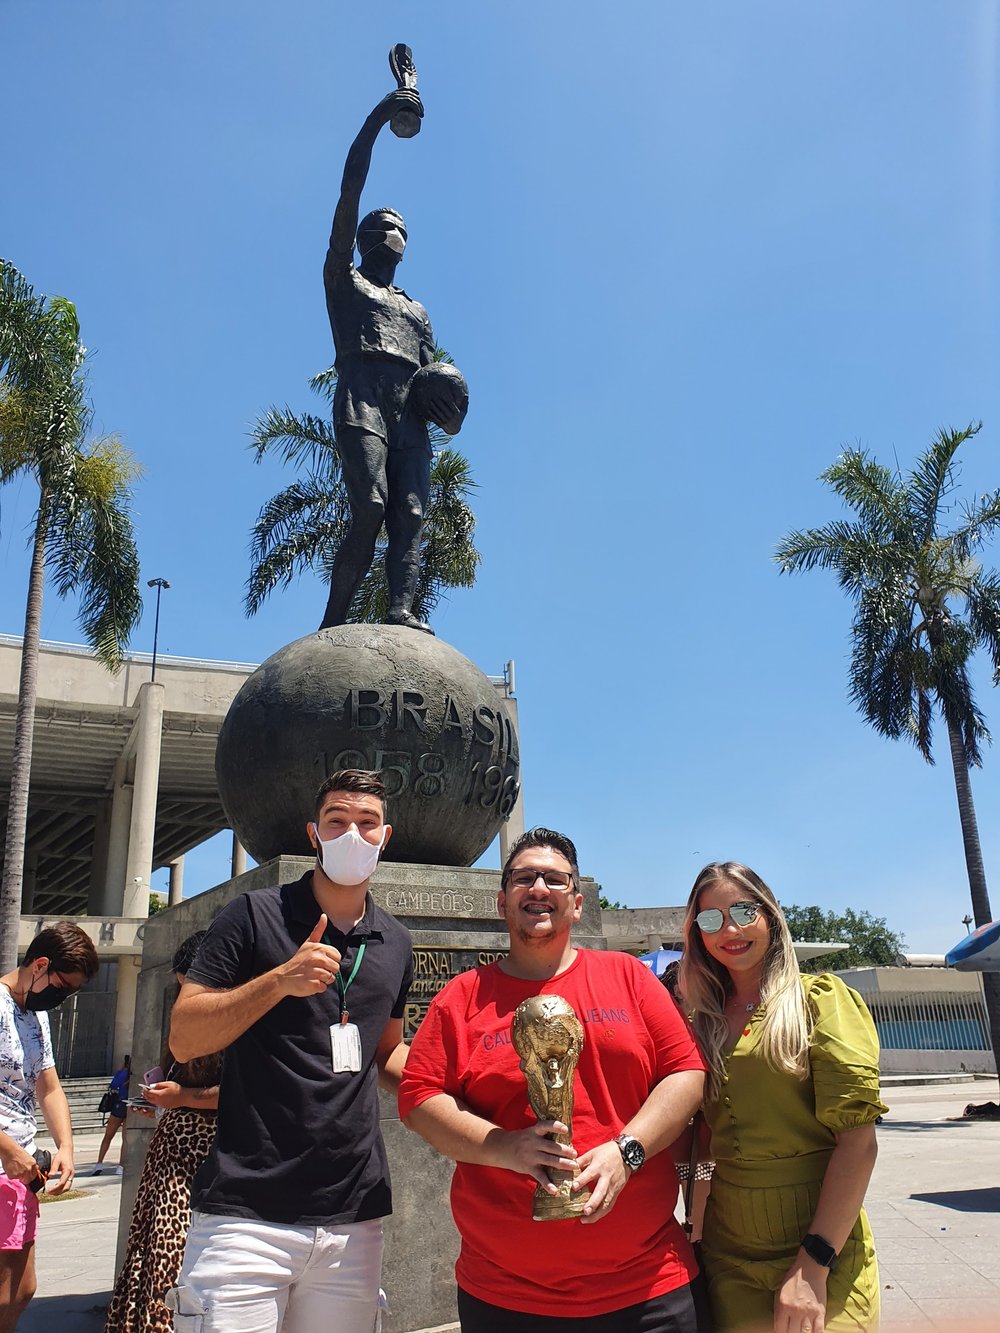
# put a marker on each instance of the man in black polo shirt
(304, 988)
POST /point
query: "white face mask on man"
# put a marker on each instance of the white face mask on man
(348, 859)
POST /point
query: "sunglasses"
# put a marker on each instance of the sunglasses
(740, 914)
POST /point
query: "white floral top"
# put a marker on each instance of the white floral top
(25, 1052)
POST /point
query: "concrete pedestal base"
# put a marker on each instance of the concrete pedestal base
(453, 917)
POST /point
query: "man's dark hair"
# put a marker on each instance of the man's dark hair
(67, 947)
(543, 837)
(350, 779)
(184, 956)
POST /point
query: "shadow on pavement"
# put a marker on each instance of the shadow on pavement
(965, 1201)
(70, 1314)
(924, 1126)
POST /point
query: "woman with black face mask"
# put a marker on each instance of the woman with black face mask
(58, 961)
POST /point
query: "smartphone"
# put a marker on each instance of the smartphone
(154, 1075)
(43, 1160)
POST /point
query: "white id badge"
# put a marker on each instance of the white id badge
(346, 1042)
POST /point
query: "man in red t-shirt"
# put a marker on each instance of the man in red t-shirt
(625, 1264)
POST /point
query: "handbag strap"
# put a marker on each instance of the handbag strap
(688, 1223)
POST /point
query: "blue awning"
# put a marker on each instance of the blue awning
(978, 952)
(659, 960)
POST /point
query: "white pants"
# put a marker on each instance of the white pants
(243, 1276)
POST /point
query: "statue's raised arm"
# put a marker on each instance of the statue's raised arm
(402, 106)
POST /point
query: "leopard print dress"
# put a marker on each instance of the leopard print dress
(160, 1222)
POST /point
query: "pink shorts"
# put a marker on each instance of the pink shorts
(18, 1214)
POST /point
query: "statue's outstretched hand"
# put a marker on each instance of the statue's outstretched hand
(400, 99)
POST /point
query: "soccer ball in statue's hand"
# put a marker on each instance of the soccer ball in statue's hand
(438, 393)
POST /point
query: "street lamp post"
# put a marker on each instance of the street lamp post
(967, 922)
(159, 585)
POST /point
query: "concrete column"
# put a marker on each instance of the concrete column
(513, 827)
(99, 857)
(28, 883)
(127, 979)
(176, 893)
(139, 867)
(239, 861)
(113, 898)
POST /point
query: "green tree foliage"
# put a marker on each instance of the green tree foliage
(607, 905)
(923, 606)
(82, 534)
(302, 526)
(872, 943)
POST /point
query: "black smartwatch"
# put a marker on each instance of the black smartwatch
(632, 1151)
(819, 1249)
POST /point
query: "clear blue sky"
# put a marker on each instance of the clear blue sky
(684, 253)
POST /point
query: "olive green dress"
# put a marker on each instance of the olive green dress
(772, 1137)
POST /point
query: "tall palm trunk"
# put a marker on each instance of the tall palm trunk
(20, 773)
(981, 910)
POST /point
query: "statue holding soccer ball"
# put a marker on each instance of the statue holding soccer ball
(388, 384)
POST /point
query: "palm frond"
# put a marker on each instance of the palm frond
(983, 604)
(852, 552)
(293, 532)
(870, 490)
(325, 383)
(981, 521)
(90, 545)
(304, 440)
(933, 479)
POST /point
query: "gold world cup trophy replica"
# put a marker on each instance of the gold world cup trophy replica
(548, 1037)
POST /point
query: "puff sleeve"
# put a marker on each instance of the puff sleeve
(843, 1053)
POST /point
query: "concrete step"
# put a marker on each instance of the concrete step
(83, 1095)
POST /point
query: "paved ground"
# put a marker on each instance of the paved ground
(934, 1203)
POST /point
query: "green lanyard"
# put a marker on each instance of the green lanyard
(342, 985)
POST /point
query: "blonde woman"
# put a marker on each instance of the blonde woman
(791, 1099)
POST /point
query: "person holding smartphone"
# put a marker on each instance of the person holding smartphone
(185, 1100)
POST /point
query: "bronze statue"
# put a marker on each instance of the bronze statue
(548, 1037)
(388, 383)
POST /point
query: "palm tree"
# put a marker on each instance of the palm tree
(924, 605)
(82, 531)
(303, 525)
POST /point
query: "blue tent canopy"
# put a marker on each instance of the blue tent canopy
(659, 960)
(978, 952)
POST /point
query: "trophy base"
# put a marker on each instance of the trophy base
(405, 124)
(561, 1207)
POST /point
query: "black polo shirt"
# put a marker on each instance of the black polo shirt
(297, 1143)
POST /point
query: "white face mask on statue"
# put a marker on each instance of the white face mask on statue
(349, 859)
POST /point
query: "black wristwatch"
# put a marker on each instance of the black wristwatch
(632, 1151)
(819, 1249)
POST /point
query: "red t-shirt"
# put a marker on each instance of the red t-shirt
(633, 1037)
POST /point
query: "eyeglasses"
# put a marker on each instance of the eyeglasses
(740, 914)
(526, 877)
